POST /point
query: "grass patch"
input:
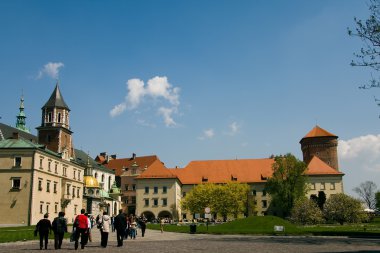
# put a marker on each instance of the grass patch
(25, 233)
(264, 225)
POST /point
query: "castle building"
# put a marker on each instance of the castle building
(159, 189)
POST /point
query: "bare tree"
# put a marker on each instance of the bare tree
(366, 192)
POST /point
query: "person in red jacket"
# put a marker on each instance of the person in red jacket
(81, 228)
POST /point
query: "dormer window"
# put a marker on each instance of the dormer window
(233, 178)
(204, 179)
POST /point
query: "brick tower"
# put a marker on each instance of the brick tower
(55, 131)
(319, 142)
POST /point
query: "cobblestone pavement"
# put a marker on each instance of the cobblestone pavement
(167, 242)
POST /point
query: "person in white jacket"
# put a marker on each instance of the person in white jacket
(105, 229)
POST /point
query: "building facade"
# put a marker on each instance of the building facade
(320, 155)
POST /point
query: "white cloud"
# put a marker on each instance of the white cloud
(233, 128)
(51, 70)
(167, 115)
(157, 88)
(359, 159)
(207, 134)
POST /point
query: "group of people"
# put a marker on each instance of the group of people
(44, 228)
(125, 226)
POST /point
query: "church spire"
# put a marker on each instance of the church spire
(21, 123)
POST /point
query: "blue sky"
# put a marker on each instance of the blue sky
(194, 80)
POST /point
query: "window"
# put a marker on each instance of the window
(323, 186)
(56, 208)
(164, 189)
(78, 191)
(96, 175)
(64, 171)
(312, 186)
(40, 184)
(126, 187)
(75, 172)
(16, 183)
(41, 207)
(103, 178)
(18, 161)
(146, 189)
(73, 192)
(146, 202)
(49, 166)
(56, 168)
(41, 161)
(79, 175)
(133, 187)
(155, 202)
(59, 117)
(165, 202)
(155, 190)
(48, 186)
(68, 190)
(332, 186)
(264, 192)
(55, 187)
(49, 117)
(183, 194)
(75, 209)
(264, 203)
(133, 200)
(253, 192)
(47, 207)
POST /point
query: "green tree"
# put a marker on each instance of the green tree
(287, 184)
(342, 208)
(306, 212)
(198, 198)
(224, 199)
(366, 192)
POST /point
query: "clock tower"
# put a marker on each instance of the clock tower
(54, 131)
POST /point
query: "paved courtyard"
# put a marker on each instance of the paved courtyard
(167, 242)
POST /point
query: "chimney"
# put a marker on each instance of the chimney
(113, 156)
(15, 135)
(104, 154)
(133, 156)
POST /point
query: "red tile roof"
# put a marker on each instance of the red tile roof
(317, 167)
(222, 171)
(318, 132)
(157, 170)
(118, 165)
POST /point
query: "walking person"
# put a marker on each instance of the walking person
(162, 223)
(105, 220)
(89, 228)
(43, 228)
(81, 229)
(133, 228)
(142, 223)
(120, 223)
(59, 226)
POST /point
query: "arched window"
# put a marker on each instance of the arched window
(49, 117)
(59, 117)
(96, 175)
(109, 182)
(102, 178)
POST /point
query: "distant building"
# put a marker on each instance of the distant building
(159, 190)
(126, 170)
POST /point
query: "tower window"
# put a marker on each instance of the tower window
(49, 117)
(16, 183)
(59, 117)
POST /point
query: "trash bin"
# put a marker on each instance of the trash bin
(193, 228)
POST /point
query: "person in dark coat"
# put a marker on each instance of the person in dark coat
(142, 223)
(59, 228)
(120, 223)
(43, 227)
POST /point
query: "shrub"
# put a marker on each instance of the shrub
(306, 212)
